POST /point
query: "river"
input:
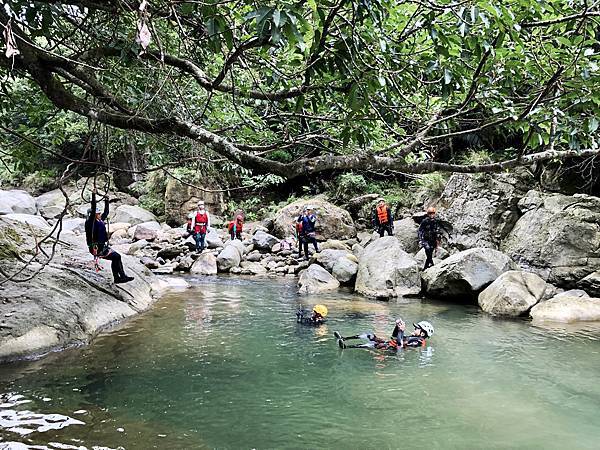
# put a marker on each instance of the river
(224, 365)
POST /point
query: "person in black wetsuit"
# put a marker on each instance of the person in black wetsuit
(429, 236)
(97, 239)
(398, 340)
(307, 231)
(317, 317)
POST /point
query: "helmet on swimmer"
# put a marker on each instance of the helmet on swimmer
(425, 326)
(320, 309)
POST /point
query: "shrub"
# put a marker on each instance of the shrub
(349, 185)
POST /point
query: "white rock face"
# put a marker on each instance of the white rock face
(206, 264)
(132, 214)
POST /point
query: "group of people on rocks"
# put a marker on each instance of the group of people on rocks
(198, 223)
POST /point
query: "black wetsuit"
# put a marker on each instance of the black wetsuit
(429, 235)
(96, 237)
(308, 233)
(309, 320)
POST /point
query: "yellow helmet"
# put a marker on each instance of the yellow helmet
(320, 309)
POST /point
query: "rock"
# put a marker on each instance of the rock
(357, 250)
(334, 244)
(181, 199)
(137, 246)
(264, 241)
(51, 204)
(252, 268)
(276, 248)
(230, 256)
(572, 293)
(164, 270)
(327, 258)
(482, 210)
(301, 266)
(315, 280)
(17, 202)
(364, 237)
(118, 235)
(512, 294)
(254, 256)
(76, 225)
(185, 264)
(117, 226)
(282, 269)
(171, 251)
(213, 240)
(557, 237)
(591, 283)
(147, 231)
(385, 270)
(132, 214)
(566, 308)
(68, 302)
(438, 254)
(206, 264)
(171, 283)
(332, 222)
(405, 231)
(235, 270)
(37, 221)
(465, 274)
(150, 263)
(344, 270)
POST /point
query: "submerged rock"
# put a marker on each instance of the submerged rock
(566, 308)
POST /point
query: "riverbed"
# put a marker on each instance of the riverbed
(225, 365)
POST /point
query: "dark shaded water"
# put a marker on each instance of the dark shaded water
(224, 365)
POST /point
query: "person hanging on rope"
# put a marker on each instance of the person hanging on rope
(96, 236)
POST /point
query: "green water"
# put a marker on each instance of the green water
(224, 365)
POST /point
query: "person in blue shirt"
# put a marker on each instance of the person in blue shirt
(307, 231)
(96, 237)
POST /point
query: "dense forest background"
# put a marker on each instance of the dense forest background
(290, 98)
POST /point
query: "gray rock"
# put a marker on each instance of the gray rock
(230, 256)
(567, 309)
(132, 214)
(572, 293)
(254, 256)
(315, 280)
(137, 246)
(357, 250)
(512, 294)
(344, 270)
(332, 222)
(150, 263)
(252, 268)
(300, 266)
(334, 244)
(557, 237)
(405, 231)
(591, 283)
(171, 251)
(185, 264)
(51, 204)
(74, 224)
(438, 254)
(465, 274)
(147, 230)
(385, 270)
(213, 240)
(327, 258)
(17, 202)
(37, 221)
(206, 264)
(181, 199)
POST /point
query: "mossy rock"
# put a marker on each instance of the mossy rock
(9, 241)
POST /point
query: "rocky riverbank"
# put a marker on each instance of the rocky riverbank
(514, 250)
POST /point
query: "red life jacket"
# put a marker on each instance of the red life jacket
(201, 222)
(298, 227)
(382, 214)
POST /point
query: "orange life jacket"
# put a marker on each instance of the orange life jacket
(382, 214)
(201, 222)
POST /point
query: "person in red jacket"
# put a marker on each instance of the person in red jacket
(199, 226)
(235, 227)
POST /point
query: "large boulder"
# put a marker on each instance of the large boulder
(463, 275)
(333, 222)
(132, 214)
(230, 256)
(591, 284)
(147, 231)
(557, 237)
(438, 254)
(213, 240)
(264, 241)
(405, 230)
(252, 268)
(206, 264)
(36, 221)
(51, 204)
(482, 209)
(74, 224)
(17, 201)
(344, 270)
(386, 270)
(512, 294)
(315, 280)
(181, 199)
(567, 308)
(327, 258)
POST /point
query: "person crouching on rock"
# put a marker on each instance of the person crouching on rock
(308, 230)
(235, 227)
(398, 340)
(97, 239)
(429, 236)
(382, 219)
(199, 226)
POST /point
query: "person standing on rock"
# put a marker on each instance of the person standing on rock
(235, 227)
(199, 226)
(429, 236)
(308, 231)
(96, 237)
(382, 219)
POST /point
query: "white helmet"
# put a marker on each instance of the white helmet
(425, 326)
